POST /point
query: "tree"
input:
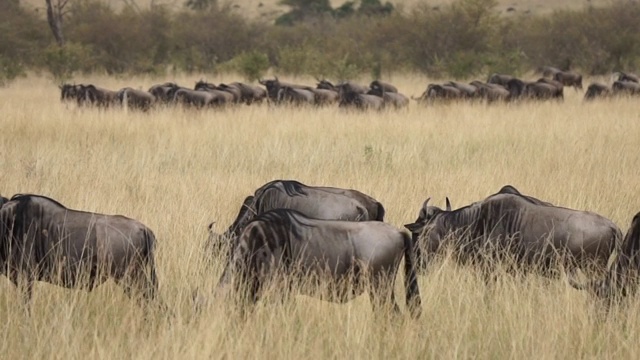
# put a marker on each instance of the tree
(55, 15)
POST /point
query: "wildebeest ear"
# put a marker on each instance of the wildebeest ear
(415, 227)
(448, 204)
(211, 226)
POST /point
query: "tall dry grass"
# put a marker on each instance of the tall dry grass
(177, 170)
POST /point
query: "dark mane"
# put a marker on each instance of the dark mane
(290, 187)
(21, 197)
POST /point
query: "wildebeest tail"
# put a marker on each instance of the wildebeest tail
(151, 286)
(412, 290)
(380, 214)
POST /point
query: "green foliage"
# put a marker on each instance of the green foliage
(252, 65)
(199, 5)
(9, 70)
(62, 62)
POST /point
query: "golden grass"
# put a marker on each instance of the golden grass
(178, 170)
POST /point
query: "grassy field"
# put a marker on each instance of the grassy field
(177, 170)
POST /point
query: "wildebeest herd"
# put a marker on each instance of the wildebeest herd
(377, 96)
(327, 242)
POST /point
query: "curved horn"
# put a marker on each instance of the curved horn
(424, 204)
(448, 204)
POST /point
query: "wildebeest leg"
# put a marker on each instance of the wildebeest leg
(381, 293)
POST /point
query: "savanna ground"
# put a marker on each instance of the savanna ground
(178, 170)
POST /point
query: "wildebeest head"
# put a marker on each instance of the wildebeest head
(273, 86)
(422, 227)
(68, 91)
(203, 85)
(325, 84)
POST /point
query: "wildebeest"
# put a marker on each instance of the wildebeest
(533, 234)
(628, 77)
(335, 260)
(490, 92)
(162, 92)
(500, 79)
(319, 202)
(249, 94)
(382, 87)
(295, 96)
(352, 99)
(351, 87)
(539, 90)
(69, 92)
(196, 98)
(549, 71)
(466, 90)
(569, 78)
(597, 90)
(136, 99)
(93, 95)
(626, 88)
(622, 276)
(439, 93)
(42, 240)
(273, 87)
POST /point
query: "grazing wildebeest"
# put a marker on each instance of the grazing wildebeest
(534, 235)
(273, 87)
(334, 260)
(93, 95)
(162, 92)
(41, 240)
(622, 276)
(295, 96)
(500, 79)
(569, 78)
(628, 77)
(596, 90)
(136, 99)
(225, 94)
(351, 87)
(626, 88)
(320, 202)
(382, 87)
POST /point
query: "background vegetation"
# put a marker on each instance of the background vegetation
(315, 37)
(177, 170)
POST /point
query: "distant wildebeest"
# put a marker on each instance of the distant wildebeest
(249, 94)
(69, 92)
(295, 96)
(136, 99)
(221, 95)
(539, 90)
(188, 97)
(352, 99)
(569, 78)
(439, 93)
(332, 260)
(596, 90)
(623, 275)
(532, 233)
(500, 79)
(549, 71)
(93, 95)
(490, 92)
(395, 100)
(41, 240)
(273, 87)
(628, 77)
(324, 96)
(626, 88)
(162, 91)
(382, 87)
(320, 202)
(351, 87)
(466, 90)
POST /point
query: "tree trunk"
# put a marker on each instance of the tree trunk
(54, 17)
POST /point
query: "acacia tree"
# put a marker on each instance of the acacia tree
(55, 15)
